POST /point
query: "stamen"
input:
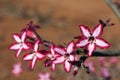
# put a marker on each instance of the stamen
(21, 44)
(91, 39)
(67, 55)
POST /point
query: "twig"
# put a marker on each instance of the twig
(106, 53)
(113, 7)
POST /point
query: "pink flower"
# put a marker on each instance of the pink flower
(104, 72)
(101, 61)
(52, 56)
(114, 60)
(17, 69)
(90, 65)
(66, 56)
(31, 30)
(44, 76)
(36, 54)
(20, 43)
(91, 39)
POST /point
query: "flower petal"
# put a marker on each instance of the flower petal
(102, 43)
(18, 52)
(53, 67)
(40, 56)
(25, 46)
(70, 47)
(72, 58)
(59, 50)
(23, 36)
(36, 45)
(90, 48)
(49, 55)
(15, 46)
(32, 64)
(31, 34)
(17, 38)
(28, 57)
(82, 43)
(67, 66)
(97, 31)
(52, 49)
(85, 31)
(59, 60)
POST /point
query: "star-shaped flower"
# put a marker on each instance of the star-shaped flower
(66, 56)
(44, 76)
(17, 69)
(91, 39)
(36, 54)
(52, 56)
(20, 45)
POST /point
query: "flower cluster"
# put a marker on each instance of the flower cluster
(29, 40)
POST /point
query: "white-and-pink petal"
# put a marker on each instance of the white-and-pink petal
(17, 38)
(40, 56)
(59, 60)
(60, 50)
(28, 57)
(71, 57)
(82, 43)
(23, 37)
(70, 47)
(53, 67)
(67, 66)
(49, 55)
(36, 46)
(25, 46)
(52, 50)
(15, 46)
(85, 31)
(102, 43)
(90, 48)
(32, 64)
(97, 31)
(18, 52)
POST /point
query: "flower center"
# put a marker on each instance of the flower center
(21, 44)
(34, 53)
(67, 55)
(52, 57)
(91, 39)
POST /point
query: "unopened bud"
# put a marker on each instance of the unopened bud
(48, 63)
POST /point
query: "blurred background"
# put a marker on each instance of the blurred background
(59, 21)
